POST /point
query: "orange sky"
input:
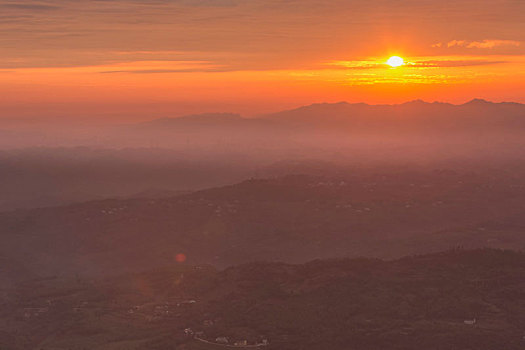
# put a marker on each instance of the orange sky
(132, 59)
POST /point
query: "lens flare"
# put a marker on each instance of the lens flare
(180, 258)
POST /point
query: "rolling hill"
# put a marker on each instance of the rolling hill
(291, 219)
(458, 299)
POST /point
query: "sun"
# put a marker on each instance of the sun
(395, 61)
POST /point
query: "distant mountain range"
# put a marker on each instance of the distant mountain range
(329, 127)
(413, 114)
(301, 127)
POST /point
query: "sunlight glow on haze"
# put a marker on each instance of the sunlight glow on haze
(132, 59)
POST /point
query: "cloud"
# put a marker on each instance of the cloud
(355, 65)
(489, 44)
(29, 7)
(456, 43)
(163, 67)
(419, 63)
(483, 44)
(166, 71)
(453, 63)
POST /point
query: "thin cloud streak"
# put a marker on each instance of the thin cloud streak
(430, 62)
(29, 7)
(483, 44)
(167, 71)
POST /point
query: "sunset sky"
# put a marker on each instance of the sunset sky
(134, 59)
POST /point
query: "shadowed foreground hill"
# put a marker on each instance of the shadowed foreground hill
(414, 303)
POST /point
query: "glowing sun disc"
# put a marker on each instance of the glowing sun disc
(395, 61)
